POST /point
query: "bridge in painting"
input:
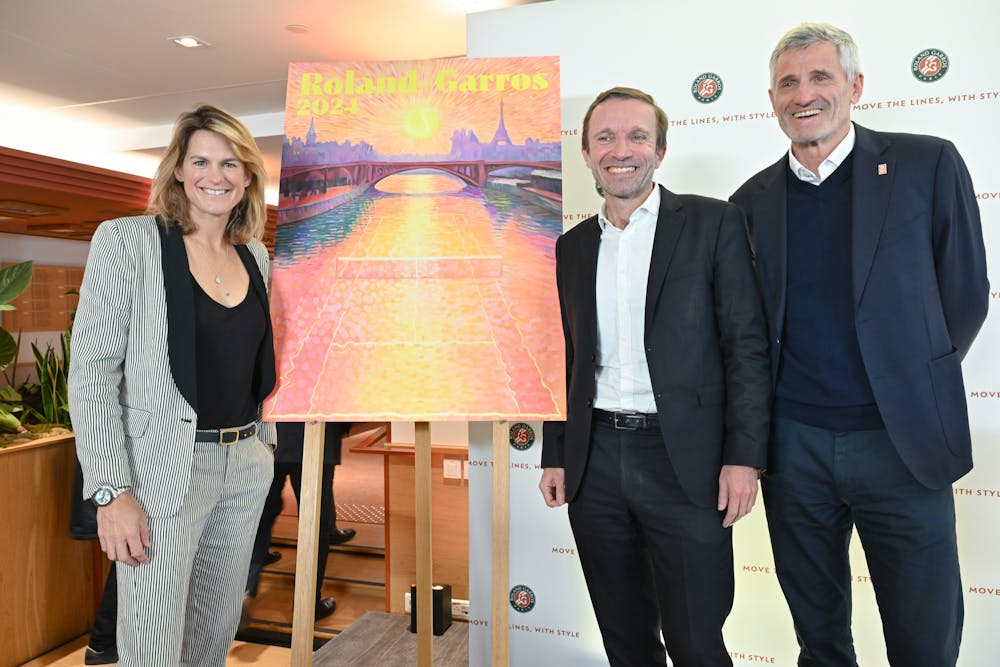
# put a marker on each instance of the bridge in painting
(311, 179)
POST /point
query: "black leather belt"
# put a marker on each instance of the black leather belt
(628, 421)
(224, 436)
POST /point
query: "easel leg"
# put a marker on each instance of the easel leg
(422, 475)
(501, 544)
(304, 615)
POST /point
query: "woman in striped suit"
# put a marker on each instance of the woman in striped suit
(172, 357)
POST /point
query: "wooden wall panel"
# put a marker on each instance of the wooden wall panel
(45, 304)
(46, 579)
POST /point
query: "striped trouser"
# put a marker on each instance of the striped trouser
(182, 608)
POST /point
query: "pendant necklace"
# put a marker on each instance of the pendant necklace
(218, 274)
(217, 279)
(225, 258)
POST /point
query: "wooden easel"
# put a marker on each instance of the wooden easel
(425, 565)
(500, 637)
(304, 614)
(303, 617)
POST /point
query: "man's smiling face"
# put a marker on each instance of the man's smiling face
(621, 149)
(812, 97)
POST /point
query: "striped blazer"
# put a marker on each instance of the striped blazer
(132, 376)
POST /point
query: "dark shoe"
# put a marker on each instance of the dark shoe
(338, 536)
(272, 557)
(325, 607)
(106, 657)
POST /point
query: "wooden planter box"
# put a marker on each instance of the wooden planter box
(47, 580)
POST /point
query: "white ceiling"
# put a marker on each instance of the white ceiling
(99, 82)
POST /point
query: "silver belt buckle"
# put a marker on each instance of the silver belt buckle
(629, 421)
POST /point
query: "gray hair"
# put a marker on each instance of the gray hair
(805, 35)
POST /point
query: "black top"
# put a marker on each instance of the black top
(822, 381)
(227, 341)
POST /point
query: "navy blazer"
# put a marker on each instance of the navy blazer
(919, 281)
(705, 339)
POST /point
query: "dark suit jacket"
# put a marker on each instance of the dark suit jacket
(705, 341)
(292, 435)
(919, 280)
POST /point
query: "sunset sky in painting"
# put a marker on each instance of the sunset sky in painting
(422, 118)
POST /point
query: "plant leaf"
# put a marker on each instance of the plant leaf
(13, 280)
(8, 348)
(8, 422)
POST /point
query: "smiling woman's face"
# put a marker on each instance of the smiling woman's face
(214, 178)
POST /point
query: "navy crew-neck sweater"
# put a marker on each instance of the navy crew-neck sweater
(822, 380)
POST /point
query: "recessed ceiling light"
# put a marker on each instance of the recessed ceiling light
(296, 27)
(60, 229)
(188, 41)
(29, 209)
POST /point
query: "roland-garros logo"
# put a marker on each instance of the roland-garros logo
(929, 65)
(707, 87)
(522, 436)
(522, 599)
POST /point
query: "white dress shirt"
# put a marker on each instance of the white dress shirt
(828, 166)
(622, 274)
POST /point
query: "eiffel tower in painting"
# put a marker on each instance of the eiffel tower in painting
(501, 138)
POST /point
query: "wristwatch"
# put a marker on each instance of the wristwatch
(105, 494)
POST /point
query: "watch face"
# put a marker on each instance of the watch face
(103, 496)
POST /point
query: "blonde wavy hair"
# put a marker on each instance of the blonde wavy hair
(167, 198)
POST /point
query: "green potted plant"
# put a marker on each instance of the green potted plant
(13, 280)
(52, 389)
(32, 409)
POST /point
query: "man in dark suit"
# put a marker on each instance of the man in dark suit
(870, 255)
(667, 395)
(288, 463)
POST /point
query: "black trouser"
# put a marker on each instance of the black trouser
(819, 486)
(103, 634)
(653, 561)
(272, 508)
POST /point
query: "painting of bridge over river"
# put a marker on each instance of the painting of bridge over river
(414, 270)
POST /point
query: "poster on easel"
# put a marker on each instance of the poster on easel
(414, 274)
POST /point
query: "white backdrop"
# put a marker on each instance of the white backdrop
(663, 47)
